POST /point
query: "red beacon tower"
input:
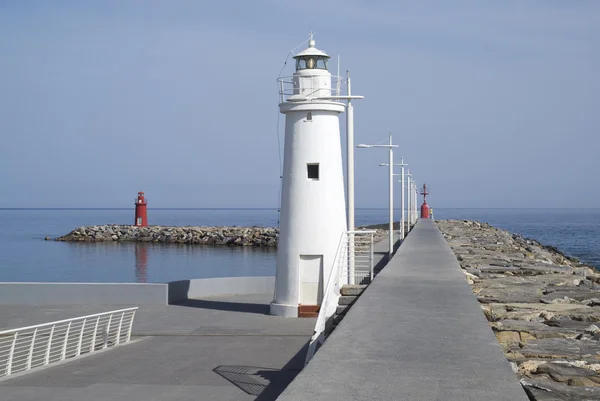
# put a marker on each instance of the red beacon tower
(424, 206)
(141, 214)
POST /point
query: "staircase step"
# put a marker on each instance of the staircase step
(308, 314)
(308, 310)
(346, 299)
(354, 290)
(342, 309)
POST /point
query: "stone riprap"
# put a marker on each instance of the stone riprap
(242, 236)
(543, 306)
(232, 236)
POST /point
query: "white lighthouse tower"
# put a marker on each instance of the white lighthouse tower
(313, 216)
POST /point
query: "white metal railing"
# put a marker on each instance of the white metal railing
(349, 265)
(31, 347)
(359, 269)
(309, 86)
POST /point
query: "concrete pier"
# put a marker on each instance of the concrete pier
(416, 333)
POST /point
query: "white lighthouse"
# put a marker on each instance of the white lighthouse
(313, 216)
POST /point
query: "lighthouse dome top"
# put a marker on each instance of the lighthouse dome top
(311, 57)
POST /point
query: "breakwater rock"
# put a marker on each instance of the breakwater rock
(242, 236)
(232, 236)
(543, 306)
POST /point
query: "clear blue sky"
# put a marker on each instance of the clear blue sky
(494, 104)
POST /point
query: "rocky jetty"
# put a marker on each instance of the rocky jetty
(242, 236)
(232, 236)
(543, 306)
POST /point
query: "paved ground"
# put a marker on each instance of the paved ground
(240, 314)
(222, 348)
(416, 333)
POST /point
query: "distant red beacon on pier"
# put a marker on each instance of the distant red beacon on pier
(424, 206)
(141, 213)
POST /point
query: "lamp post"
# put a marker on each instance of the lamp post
(350, 152)
(412, 201)
(403, 233)
(417, 214)
(390, 146)
(349, 144)
(409, 193)
(349, 164)
(415, 201)
(402, 219)
(408, 198)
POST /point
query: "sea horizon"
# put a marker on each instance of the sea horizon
(277, 208)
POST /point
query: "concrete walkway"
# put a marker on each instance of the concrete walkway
(222, 348)
(416, 333)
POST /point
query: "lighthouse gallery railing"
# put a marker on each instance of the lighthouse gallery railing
(35, 346)
(310, 89)
(351, 265)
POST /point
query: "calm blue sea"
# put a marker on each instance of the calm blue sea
(25, 256)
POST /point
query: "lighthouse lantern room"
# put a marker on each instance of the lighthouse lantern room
(313, 216)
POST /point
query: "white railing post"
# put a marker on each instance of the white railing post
(64, 350)
(47, 361)
(119, 329)
(93, 344)
(81, 337)
(107, 331)
(31, 349)
(130, 326)
(11, 354)
(351, 258)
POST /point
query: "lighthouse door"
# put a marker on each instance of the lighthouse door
(311, 279)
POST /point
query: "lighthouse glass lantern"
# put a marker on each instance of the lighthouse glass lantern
(313, 216)
(311, 62)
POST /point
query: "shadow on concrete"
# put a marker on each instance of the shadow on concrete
(265, 383)
(261, 309)
(385, 258)
(385, 226)
(250, 379)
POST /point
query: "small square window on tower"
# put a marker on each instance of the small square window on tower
(313, 171)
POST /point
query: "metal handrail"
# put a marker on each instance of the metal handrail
(287, 88)
(331, 295)
(35, 346)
